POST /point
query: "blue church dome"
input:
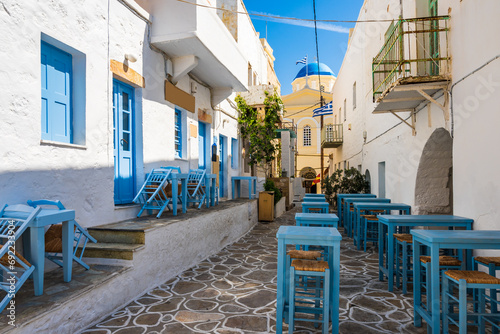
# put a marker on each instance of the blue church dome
(314, 69)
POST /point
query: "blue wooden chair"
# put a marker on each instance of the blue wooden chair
(53, 237)
(14, 269)
(195, 186)
(154, 194)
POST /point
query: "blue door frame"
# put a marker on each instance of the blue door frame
(222, 164)
(123, 142)
(202, 145)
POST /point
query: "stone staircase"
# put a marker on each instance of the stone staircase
(116, 241)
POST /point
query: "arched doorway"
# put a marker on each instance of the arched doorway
(308, 174)
(434, 184)
(369, 179)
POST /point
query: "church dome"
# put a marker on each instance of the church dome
(314, 69)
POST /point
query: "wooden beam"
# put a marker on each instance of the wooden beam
(402, 99)
(430, 98)
(403, 120)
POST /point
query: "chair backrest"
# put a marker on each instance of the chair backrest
(14, 220)
(155, 183)
(172, 168)
(195, 179)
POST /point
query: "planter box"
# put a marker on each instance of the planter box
(280, 207)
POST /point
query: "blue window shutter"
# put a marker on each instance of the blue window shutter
(178, 133)
(56, 94)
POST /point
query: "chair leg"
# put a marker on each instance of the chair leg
(446, 309)
(291, 301)
(462, 307)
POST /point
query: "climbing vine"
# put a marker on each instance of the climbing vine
(259, 129)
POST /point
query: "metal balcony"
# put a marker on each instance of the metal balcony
(332, 136)
(412, 65)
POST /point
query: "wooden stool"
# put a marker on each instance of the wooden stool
(445, 263)
(405, 242)
(370, 229)
(311, 302)
(463, 280)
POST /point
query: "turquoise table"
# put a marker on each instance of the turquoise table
(176, 177)
(388, 225)
(314, 199)
(340, 203)
(349, 215)
(315, 195)
(252, 185)
(437, 240)
(210, 185)
(323, 206)
(309, 236)
(314, 219)
(34, 242)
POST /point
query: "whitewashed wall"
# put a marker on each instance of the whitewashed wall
(82, 176)
(475, 106)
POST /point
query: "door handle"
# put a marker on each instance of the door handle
(122, 141)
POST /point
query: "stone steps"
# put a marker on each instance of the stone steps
(116, 241)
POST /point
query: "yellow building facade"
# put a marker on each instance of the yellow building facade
(312, 82)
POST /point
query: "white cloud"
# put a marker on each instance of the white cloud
(308, 24)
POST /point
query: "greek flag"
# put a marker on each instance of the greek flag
(302, 61)
(327, 109)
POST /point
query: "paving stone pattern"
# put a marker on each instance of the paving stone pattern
(235, 292)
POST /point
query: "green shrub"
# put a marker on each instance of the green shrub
(270, 186)
(346, 181)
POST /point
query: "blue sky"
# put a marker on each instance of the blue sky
(292, 40)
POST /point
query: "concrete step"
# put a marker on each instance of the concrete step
(110, 250)
(121, 236)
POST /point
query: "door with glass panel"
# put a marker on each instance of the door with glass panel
(123, 142)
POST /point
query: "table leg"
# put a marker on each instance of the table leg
(417, 287)
(212, 192)
(37, 235)
(335, 288)
(280, 287)
(390, 257)
(207, 192)
(184, 195)
(254, 194)
(435, 305)
(67, 244)
(233, 183)
(175, 195)
(380, 251)
(238, 185)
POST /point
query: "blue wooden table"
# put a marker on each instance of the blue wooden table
(252, 185)
(388, 225)
(176, 177)
(314, 199)
(340, 203)
(210, 185)
(314, 219)
(34, 242)
(437, 240)
(323, 206)
(309, 236)
(315, 195)
(349, 215)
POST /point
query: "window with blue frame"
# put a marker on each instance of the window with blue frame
(178, 133)
(234, 153)
(56, 78)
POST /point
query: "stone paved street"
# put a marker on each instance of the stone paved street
(235, 292)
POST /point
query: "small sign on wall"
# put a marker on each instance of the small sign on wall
(193, 130)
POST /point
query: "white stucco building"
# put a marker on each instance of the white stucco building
(418, 99)
(96, 94)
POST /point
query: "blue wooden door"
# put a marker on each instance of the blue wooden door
(123, 142)
(222, 164)
(202, 145)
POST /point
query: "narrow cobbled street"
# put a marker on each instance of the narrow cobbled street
(235, 292)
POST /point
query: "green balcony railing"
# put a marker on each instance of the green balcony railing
(415, 48)
(332, 136)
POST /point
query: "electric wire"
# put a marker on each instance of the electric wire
(277, 17)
